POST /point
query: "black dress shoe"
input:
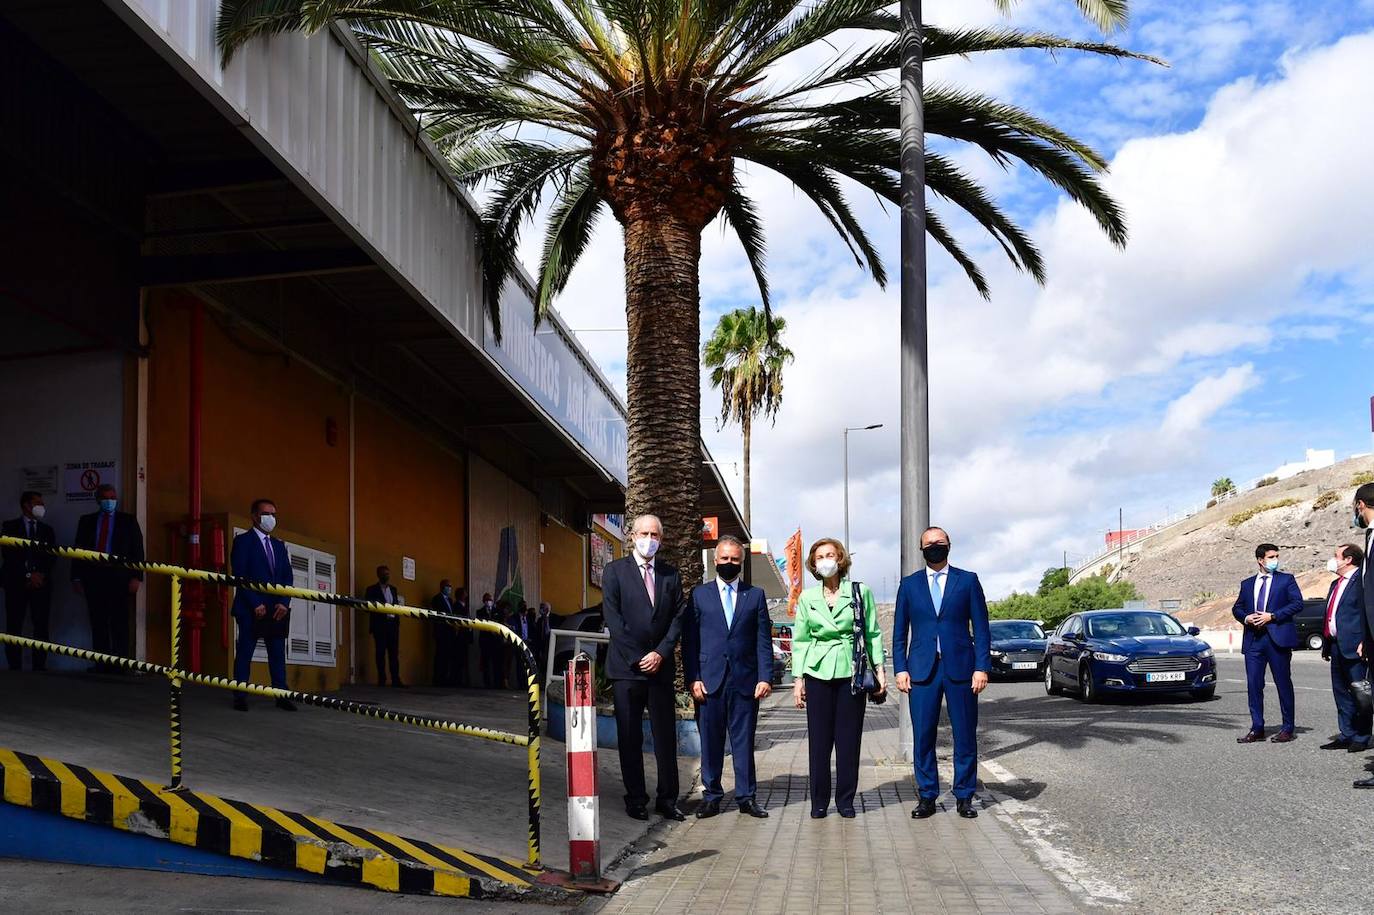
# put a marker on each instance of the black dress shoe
(398, 684)
(1365, 782)
(669, 811)
(750, 808)
(925, 807)
(818, 814)
(1282, 737)
(636, 812)
(1251, 737)
(240, 703)
(847, 813)
(1340, 743)
(708, 809)
(1357, 746)
(286, 705)
(964, 806)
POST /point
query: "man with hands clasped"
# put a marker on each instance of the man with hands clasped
(1266, 605)
(727, 653)
(941, 651)
(260, 557)
(643, 604)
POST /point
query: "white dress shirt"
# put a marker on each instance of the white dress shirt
(1340, 591)
(733, 588)
(1259, 587)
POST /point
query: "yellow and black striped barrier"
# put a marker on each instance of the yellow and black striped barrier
(177, 677)
(254, 832)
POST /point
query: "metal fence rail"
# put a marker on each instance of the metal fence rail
(177, 677)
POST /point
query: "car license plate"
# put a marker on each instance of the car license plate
(1171, 676)
(1024, 665)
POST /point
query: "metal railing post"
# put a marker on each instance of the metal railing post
(174, 704)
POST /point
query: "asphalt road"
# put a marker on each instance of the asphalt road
(1154, 807)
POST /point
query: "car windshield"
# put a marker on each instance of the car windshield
(1016, 629)
(1126, 625)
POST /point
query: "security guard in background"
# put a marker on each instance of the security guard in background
(28, 579)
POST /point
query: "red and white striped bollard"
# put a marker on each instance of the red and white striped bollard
(584, 844)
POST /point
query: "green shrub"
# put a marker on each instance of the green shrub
(1201, 598)
(1267, 481)
(1240, 518)
(1325, 499)
(1095, 593)
(1360, 479)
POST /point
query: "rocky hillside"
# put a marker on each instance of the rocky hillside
(1202, 561)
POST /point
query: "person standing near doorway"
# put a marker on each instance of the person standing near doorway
(108, 589)
(28, 579)
(385, 628)
(259, 557)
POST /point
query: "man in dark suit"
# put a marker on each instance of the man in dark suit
(445, 636)
(521, 622)
(727, 653)
(1363, 510)
(543, 626)
(1266, 606)
(643, 605)
(108, 589)
(491, 648)
(1343, 635)
(941, 651)
(258, 556)
(28, 578)
(385, 628)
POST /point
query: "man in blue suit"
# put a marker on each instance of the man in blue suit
(941, 650)
(727, 655)
(260, 557)
(1343, 634)
(1266, 605)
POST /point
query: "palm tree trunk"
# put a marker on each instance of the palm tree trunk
(747, 424)
(663, 371)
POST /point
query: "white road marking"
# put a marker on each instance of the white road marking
(1040, 830)
(1315, 689)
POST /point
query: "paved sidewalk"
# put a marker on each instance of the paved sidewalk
(881, 861)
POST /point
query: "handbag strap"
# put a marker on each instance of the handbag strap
(860, 631)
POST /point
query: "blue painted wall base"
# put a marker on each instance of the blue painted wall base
(688, 740)
(38, 836)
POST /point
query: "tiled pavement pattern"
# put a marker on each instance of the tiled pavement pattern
(881, 861)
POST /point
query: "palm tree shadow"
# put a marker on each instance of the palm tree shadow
(670, 863)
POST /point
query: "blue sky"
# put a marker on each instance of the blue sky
(1233, 332)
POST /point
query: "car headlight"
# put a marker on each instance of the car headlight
(1108, 656)
(1205, 653)
(999, 654)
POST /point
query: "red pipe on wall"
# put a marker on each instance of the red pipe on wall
(194, 606)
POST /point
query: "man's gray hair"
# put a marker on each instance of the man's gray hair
(731, 538)
(646, 517)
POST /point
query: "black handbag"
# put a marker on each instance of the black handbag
(1364, 696)
(864, 680)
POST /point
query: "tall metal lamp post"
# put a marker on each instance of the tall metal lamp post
(847, 545)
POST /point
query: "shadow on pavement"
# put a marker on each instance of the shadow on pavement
(676, 861)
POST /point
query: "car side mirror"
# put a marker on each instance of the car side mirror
(1074, 636)
(1194, 631)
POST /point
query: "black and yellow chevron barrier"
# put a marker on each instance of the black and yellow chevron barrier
(254, 832)
(177, 677)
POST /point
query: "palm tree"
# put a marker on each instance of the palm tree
(746, 356)
(1221, 487)
(646, 108)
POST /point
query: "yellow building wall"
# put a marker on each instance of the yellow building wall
(264, 436)
(562, 572)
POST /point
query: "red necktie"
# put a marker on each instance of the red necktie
(1331, 608)
(103, 541)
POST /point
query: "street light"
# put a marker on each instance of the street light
(847, 545)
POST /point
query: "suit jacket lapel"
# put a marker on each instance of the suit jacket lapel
(658, 585)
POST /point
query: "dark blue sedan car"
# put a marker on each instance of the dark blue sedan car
(1128, 651)
(1018, 648)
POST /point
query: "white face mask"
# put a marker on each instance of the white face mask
(267, 523)
(1331, 566)
(38, 511)
(646, 547)
(827, 567)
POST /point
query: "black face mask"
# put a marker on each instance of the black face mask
(727, 571)
(384, 578)
(936, 552)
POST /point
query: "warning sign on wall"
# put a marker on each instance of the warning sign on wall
(80, 479)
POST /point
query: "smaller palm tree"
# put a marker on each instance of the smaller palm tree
(746, 357)
(1222, 486)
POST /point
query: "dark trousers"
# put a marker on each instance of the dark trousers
(445, 655)
(244, 647)
(728, 712)
(631, 698)
(1264, 653)
(491, 652)
(958, 697)
(1344, 671)
(107, 602)
(387, 645)
(19, 602)
(834, 723)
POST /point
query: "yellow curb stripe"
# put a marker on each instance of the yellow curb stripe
(245, 836)
(73, 789)
(183, 821)
(311, 856)
(419, 854)
(18, 781)
(447, 883)
(125, 802)
(380, 870)
(474, 861)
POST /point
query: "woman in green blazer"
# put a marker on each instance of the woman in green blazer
(823, 668)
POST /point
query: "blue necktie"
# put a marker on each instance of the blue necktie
(729, 602)
(936, 593)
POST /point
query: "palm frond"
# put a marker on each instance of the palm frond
(1105, 14)
(570, 228)
(936, 230)
(943, 178)
(742, 215)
